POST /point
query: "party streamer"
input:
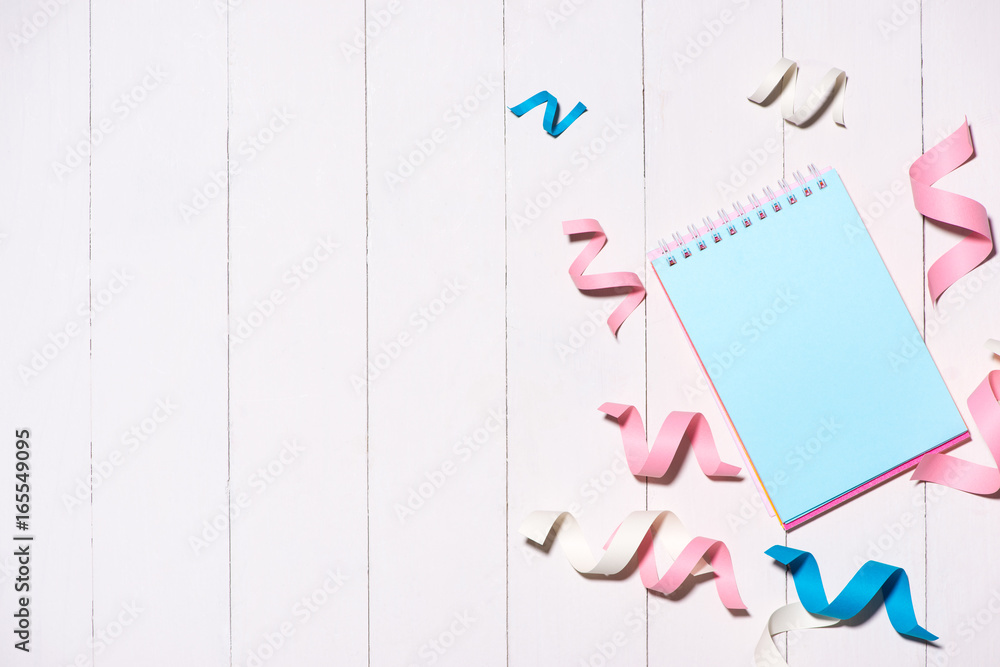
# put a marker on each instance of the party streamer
(783, 75)
(602, 281)
(950, 209)
(993, 346)
(863, 586)
(655, 462)
(635, 537)
(551, 106)
(790, 617)
(966, 475)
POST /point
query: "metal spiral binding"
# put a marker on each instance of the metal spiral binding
(742, 214)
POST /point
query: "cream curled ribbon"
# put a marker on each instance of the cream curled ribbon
(620, 280)
(950, 209)
(783, 75)
(785, 619)
(646, 462)
(965, 475)
(634, 537)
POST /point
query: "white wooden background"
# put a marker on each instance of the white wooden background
(203, 503)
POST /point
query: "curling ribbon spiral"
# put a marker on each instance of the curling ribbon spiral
(551, 106)
(635, 537)
(950, 209)
(790, 617)
(965, 475)
(646, 462)
(602, 281)
(783, 75)
(871, 578)
(813, 610)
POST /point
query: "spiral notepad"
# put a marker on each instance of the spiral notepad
(808, 346)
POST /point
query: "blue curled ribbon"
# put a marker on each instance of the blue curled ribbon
(872, 577)
(551, 106)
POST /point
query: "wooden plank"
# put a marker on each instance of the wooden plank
(959, 55)
(159, 354)
(44, 256)
(297, 333)
(706, 146)
(436, 336)
(563, 360)
(883, 92)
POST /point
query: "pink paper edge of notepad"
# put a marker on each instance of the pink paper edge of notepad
(884, 477)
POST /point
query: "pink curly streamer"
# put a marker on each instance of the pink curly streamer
(601, 281)
(655, 462)
(711, 551)
(950, 209)
(965, 475)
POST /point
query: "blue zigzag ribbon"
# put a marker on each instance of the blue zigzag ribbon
(872, 577)
(551, 105)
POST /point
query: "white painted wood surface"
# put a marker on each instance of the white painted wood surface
(308, 350)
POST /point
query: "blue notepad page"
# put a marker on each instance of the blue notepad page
(810, 348)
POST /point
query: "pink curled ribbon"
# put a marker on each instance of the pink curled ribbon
(965, 475)
(618, 280)
(950, 209)
(678, 426)
(634, 537)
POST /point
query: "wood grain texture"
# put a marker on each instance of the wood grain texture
(322, 354)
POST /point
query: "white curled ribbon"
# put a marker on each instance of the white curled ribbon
(790, 617)
(634, 538)
(623, 544)
(783, 75)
